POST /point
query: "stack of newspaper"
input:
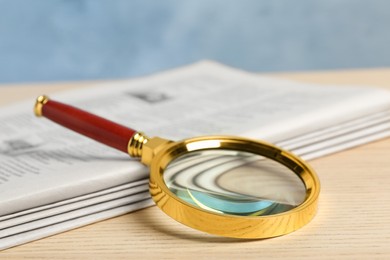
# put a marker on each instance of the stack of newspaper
(53, 180)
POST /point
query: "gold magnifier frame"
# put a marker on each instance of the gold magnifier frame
(157, 153)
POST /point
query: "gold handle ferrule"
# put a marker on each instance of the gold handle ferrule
(136, 143)
(141, 146)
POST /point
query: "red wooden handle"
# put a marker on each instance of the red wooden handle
(95, 127)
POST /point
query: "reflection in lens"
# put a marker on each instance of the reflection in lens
(234, 182)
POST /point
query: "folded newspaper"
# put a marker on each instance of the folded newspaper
(53, 180)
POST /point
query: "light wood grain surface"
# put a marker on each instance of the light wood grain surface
(353, 221)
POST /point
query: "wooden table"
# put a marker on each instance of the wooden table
(353, 219)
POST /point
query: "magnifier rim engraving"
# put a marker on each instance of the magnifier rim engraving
(157, 153)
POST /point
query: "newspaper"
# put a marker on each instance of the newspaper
(50, 175)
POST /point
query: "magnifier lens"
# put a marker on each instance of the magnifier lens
(234, 182)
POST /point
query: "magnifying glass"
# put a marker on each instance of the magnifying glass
(223, 185)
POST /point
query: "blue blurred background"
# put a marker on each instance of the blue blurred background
(56, 40)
